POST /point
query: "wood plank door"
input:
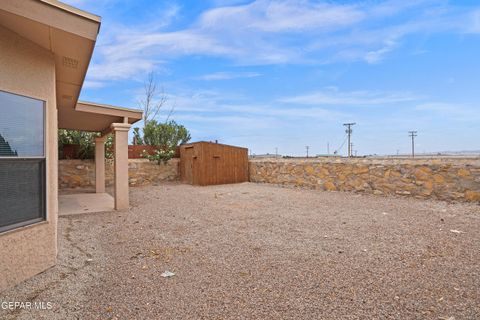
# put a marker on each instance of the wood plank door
(188, 165)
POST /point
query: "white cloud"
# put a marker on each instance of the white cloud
(378, 55)
(93, 84)
(475, 26)
(282, 16)
(228, 75)
(354, 98)
(216, 106)
(118, 69)
(451, 110)
(281, 32)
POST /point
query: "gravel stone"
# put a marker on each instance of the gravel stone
(253, 251)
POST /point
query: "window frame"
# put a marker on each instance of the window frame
(43, 165)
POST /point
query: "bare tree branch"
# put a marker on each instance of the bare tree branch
(153, 99)
(172, 110)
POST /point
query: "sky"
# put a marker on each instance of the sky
(287, 74)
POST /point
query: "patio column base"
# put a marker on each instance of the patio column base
(100, 164)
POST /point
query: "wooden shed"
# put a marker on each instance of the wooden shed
(206, 163)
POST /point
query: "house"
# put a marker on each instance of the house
(45, 51)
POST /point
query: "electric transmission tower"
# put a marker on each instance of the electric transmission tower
(349, 134)
(307, 147)
(412, 135)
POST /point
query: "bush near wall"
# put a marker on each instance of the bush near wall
(445, 179)
(136, 151)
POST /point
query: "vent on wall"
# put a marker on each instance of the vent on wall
(70, 62)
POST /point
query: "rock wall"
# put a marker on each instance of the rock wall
(444, 179)
(141, 172)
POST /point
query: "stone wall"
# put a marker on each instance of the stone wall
(444, 179)
(141, 172)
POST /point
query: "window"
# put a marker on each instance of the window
(22, 161)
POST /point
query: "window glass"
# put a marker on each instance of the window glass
(21, 126)
(22, 161)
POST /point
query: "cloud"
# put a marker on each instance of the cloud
(277, 32)
(378, 55)
(333, 96)
(451, 111)
(216, 106)
(475, 19)
(93, 84)
(281, 16)
(228, 75)
(119, 69)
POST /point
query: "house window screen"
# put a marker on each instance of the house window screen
(22, 161)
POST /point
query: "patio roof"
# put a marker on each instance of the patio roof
(89, 116)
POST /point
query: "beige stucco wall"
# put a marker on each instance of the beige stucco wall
(444, 179)
(29, 70)
(141, 172)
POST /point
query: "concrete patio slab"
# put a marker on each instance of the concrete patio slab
(84, 203)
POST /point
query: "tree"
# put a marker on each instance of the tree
(5, 149)
(137, 137)
(85, 141)
(166, 137)
(154, 99)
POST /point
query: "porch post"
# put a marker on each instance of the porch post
(100, 164)
(120, 131)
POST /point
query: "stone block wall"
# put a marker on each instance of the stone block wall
(141, 172)
(444, 179)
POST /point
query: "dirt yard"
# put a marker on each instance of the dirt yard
(253, 251)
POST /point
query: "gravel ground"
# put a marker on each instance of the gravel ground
(252, 251)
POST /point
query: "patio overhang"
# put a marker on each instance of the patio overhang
(106, 119)
(89, 116)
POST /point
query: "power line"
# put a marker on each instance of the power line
(349, 134)
(413, 134)
(341, 146)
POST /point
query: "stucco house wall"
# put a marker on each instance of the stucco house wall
(27, 69)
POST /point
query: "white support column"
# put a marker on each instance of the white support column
(120, 131)
(100, 164)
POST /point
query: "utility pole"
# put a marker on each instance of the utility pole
(307, 147)
(276, 152)
(413, 134)
(351, 149)
(328, 148)
(349, 133)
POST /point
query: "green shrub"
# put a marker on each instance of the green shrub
(165, 136)
(85, 141)
(159, 156)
